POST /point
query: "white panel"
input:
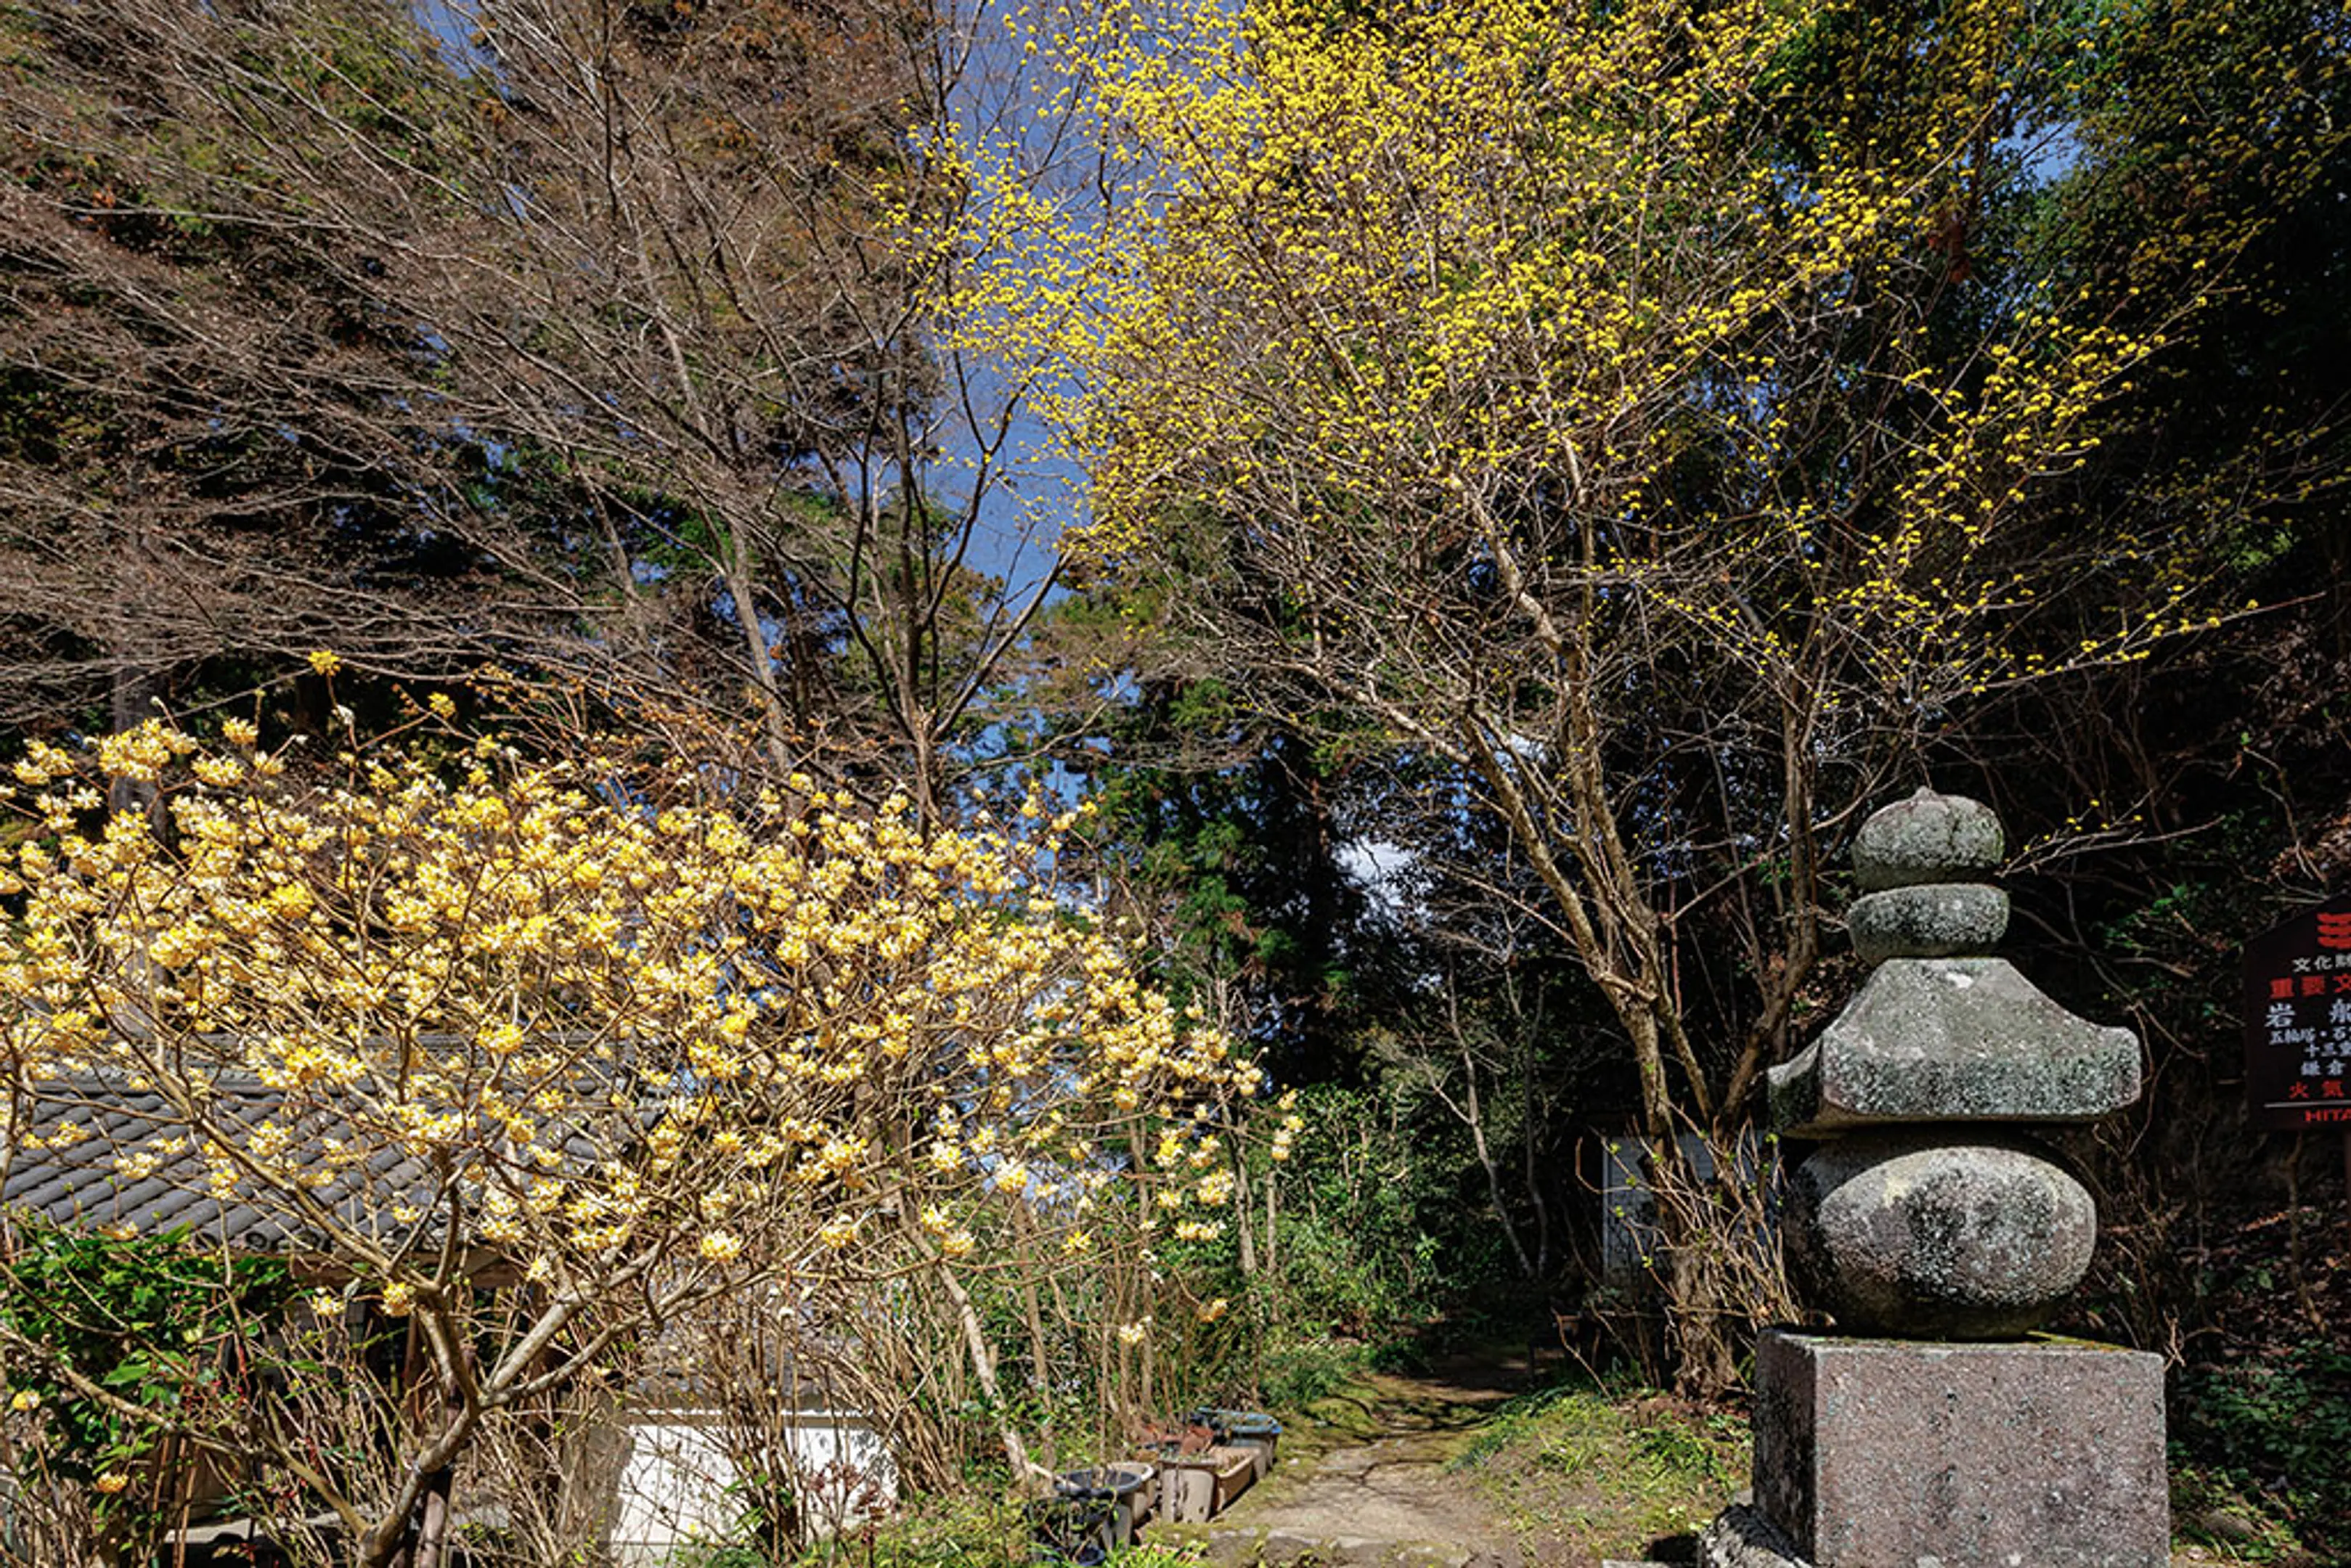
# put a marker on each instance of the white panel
(673, 1488)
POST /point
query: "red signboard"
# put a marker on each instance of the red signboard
(2298, 1020)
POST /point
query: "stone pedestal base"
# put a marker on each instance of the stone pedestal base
(1741, 1538)
(1875, 1453)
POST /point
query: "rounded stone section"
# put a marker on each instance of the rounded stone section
(1923, 1235)
(1931, 920)
(1926, 837)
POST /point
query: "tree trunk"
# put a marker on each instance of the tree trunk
(983, 1367)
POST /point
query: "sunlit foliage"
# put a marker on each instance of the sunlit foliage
(1658, 415)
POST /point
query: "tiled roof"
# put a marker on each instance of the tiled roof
(71, 1180)
(64, 1140)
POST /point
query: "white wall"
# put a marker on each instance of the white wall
(674, 1484)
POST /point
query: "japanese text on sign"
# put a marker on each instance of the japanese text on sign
(2298, 1020)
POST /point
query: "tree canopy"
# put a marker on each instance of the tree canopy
(1549, 469)
(1678, 421)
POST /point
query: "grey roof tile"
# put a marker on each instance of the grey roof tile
(77, 1185)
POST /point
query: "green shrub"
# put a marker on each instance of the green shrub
(2258, 1454)
(171, 1332)
(1301, 1370)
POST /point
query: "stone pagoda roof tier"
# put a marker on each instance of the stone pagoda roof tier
(1953, 1039)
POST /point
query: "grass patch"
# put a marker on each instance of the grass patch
(1299, 1371)
(1606, 1472)
(966, 1530)
(2258, 1470)
(960, 1531)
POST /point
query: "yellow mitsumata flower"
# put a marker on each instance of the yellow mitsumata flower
(639, 1031)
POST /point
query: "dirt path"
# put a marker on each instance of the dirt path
(1371, 1482)
(1369, 1485)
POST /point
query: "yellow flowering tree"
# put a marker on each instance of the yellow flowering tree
(598, 1036)
(1627, 407)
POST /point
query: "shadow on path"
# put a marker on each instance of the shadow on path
(1374, 1484)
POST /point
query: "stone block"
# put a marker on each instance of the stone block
(1741, 1538)
(1936, 1234)
(1888, 1454)
(1926, 837)
(1930, 920)
(1953, 1039)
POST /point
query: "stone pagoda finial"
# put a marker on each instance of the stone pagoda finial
(1923, 866)
(1928, 1213)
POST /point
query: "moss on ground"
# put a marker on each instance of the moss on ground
(1585, 1472)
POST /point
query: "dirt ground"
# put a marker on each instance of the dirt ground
(1370, 1485)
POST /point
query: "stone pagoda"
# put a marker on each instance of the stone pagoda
(1933, 1428)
